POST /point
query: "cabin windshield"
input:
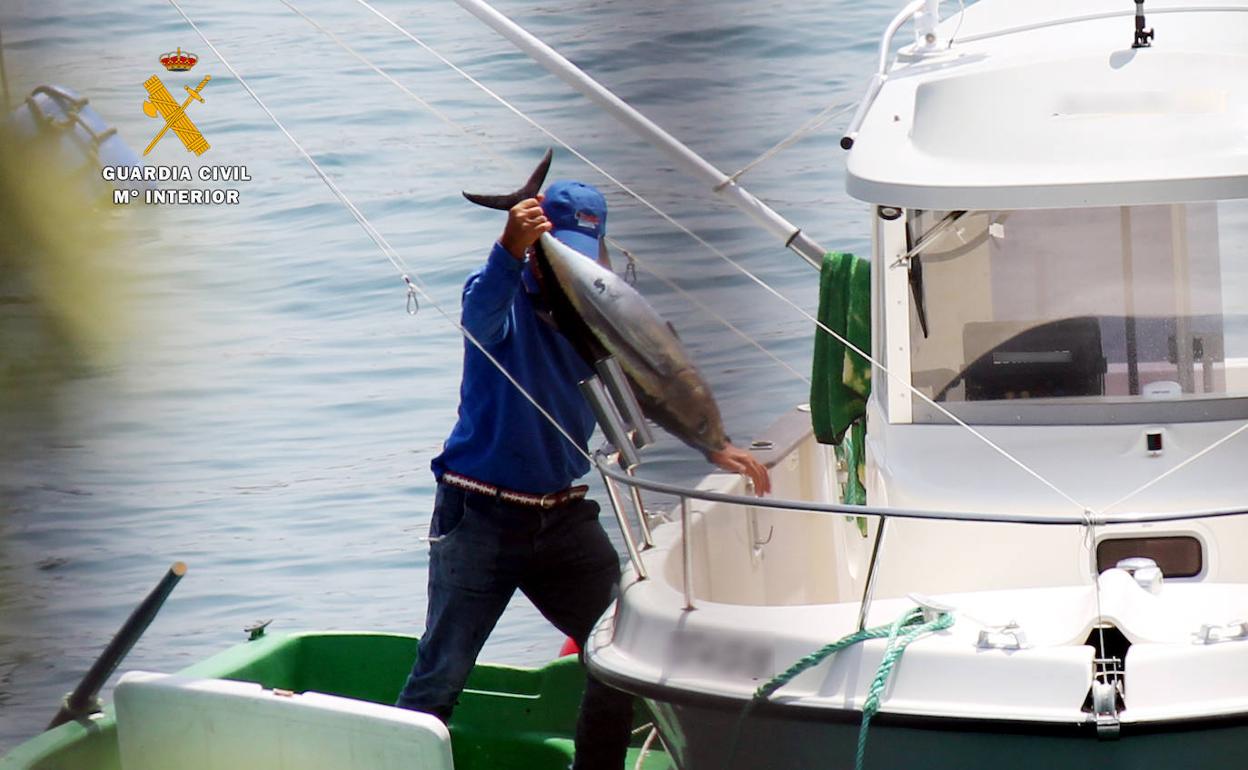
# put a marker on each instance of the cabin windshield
(1125, 305)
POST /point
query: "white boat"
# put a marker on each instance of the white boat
(1043, 569)
(1054, 441)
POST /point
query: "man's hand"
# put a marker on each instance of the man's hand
(738, 460)
(525, 224)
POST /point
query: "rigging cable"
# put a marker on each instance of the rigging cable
(737, 266)
(485, 145)
(1173, 470)
(378, 238)
(826, 114)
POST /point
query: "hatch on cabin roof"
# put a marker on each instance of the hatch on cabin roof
(1044, 111)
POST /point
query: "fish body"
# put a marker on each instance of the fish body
(602, 314)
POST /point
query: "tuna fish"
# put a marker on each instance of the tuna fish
(607, 311)
(601, 314)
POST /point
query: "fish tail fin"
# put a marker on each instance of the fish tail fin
(529, 190)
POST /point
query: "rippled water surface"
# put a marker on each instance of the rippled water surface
(270, 415)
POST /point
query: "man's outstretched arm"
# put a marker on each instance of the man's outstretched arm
(737, 460)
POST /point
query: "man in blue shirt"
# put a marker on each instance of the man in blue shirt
(505, 515)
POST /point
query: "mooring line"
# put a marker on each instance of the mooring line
(391, 254)
(741, 269)
(486, 146)
(1176, 468)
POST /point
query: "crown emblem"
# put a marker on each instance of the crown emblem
(177, 61)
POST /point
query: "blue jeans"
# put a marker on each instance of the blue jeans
(482, 550)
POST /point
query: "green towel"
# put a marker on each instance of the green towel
(841, 379)
(849, 453)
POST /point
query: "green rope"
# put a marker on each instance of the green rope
(900, 634)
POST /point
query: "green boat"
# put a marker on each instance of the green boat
(508, 717)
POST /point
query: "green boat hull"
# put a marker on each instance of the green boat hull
(508, 716)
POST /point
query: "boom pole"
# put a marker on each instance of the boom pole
(762, 214)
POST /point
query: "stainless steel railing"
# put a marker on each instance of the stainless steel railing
(612, 402)
(613, 477)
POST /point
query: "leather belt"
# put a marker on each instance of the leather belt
(549, 500)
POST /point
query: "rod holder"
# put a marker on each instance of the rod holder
(621, 391)
(868, 588)
(82, 702)
(609, 419)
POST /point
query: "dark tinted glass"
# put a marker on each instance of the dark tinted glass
(1178, 556)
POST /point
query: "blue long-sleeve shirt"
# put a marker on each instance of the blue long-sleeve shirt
(500, 438)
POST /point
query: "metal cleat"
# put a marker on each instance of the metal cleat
(1210, 633)
(1008, 637)
(932, 609)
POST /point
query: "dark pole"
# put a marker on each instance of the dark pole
(82, 700)
(1143, 37)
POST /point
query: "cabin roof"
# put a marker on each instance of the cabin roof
(1046, 105)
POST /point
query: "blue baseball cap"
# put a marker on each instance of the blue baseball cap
(579, 215)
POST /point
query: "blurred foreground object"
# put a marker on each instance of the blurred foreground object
(59, 308)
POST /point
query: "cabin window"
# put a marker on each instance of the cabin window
(1096, 305)
(1176, 556)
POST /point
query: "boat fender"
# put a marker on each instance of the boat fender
(65, 126)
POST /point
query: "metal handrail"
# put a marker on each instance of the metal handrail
(1085, 518)
(613, 477)
(881, 71)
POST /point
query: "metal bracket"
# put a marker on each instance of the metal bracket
(756, 537)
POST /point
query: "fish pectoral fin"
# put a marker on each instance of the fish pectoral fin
(529, 190)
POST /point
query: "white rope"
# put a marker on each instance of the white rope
(377, 237)
(703, 242)
(447, 119)
(826, 114)
(1176, 468)
(486, 146)
(645, 747)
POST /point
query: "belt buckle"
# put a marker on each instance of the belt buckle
(549, 500)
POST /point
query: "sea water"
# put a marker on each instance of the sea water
(270, 408)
